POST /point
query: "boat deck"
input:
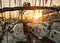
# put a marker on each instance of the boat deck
(31, 37)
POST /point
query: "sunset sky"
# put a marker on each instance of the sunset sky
(5, 3)
(13, 3)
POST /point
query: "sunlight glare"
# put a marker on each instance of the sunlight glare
(36, 16)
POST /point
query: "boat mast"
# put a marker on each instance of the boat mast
(50, 2)
(20, 11)
(9, 11)
(43, 11)
(39, 9)
(39, 2)
(20, 3)
(1, 7)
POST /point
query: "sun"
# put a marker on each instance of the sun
(36, 16)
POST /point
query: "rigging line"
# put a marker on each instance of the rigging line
(15, 2)
(32, 2)
(50, 2)
(43, 11)
(35, 5)
(1, 3)
(27, 0)
(39, 5)
(32, 5)
(43, 3)
(9, 6)
(1, 7)
(39, 2)
(20, 2)
(35, 2)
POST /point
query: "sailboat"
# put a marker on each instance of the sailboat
(46, 30)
